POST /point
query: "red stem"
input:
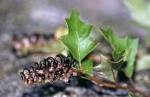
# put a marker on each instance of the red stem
(107, 84)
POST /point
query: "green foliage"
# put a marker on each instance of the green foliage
(124, 50)
(78, 40)
(132, 94)
(87, 67)
(80, 44)
(140, 11)
(104, 69)
(143, 63)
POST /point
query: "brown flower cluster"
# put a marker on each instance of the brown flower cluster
(49, 70)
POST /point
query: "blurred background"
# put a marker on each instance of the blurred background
(26, 17)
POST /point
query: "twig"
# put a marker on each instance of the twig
(107, 84)
(114, 77)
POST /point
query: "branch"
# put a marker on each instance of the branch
(108, 85)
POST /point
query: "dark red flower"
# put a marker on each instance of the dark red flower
(49, 70)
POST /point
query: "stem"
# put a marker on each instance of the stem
(107, 84)
(114, 77)
(80, 64)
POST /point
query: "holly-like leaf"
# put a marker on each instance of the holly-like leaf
(124, 50)
(104, 69)
(130, 55)
(87, 67)
(78, 40)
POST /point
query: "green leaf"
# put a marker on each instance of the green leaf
(87, 67)
(104, 69)
(143, 62)
(132, 94)
(124, 49)
(140, 11)
(118, 44)
(147, 40)
(78, 40)
(130, 55)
